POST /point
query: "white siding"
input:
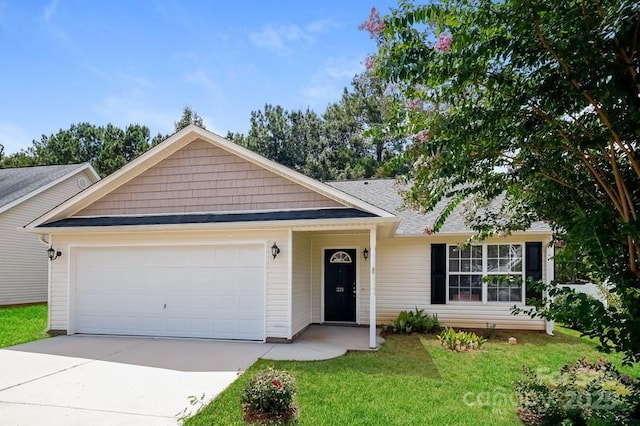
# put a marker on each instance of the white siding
(301, 283)
(403, 279)
(23, 259)
(277, 298)
(404, 282)
(328, 241)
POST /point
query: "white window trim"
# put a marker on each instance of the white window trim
(485, 273)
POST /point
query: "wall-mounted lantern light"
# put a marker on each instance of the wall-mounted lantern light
(53, 254)
(275, 250)
(365, 253)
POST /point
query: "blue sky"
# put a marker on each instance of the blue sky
(142, 61)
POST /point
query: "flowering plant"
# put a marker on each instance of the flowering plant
(268, 397)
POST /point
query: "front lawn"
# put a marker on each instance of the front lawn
(412, 380)
(21, 324)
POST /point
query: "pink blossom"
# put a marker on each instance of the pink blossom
(370, 62)
(427, 230)
(423, 135)
(443, 44)
(558, 243)
(374, 25)
(413, 104)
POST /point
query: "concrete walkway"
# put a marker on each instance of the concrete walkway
(101, 380)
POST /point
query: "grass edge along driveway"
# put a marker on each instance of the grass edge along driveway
(412, 380)
(22, 324)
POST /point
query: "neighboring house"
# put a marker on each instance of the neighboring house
(26, 193)
(200, 237)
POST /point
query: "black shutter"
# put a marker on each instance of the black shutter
(438, 274)
(533, 258)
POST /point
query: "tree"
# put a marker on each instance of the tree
(536, 104)
(106, 148)
(287, 137)
(188, 117)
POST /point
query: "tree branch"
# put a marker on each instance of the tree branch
(603, 116)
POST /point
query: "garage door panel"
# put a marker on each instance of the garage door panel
(204, 291)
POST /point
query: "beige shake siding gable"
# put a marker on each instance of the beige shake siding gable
(204, 178)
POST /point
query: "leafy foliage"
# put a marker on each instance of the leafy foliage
(269, 397)
(532, 107)
(189, 116)
(584, 393)
(351, 139)
(460, 341)
(107, 148)
(413, 321)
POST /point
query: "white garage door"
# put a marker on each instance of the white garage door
(195, 291)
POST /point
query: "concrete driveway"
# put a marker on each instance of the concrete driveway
(99, 380)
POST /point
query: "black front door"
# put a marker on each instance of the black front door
(340, 285)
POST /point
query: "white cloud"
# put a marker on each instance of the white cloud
(200, 78)
(321, 26)
(49, 10)
(131, 107)
(327, 83)
(13, 138)
(280, 39)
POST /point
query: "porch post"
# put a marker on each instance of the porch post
(372, 288)
(550, 276)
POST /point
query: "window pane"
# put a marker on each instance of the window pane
(516, 266)
(465, 265)
(454, 265)
(503, 265)
(465, 252)
(476, 265)
(516, 250)
(465, 281)
(476, 281)
(453, 252)
(476, 294)
(503, 250)
(516, 294)
(492, 265)
(492, 251)
(476, 252)
(492, 294)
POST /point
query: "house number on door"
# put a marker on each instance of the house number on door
(339, 289)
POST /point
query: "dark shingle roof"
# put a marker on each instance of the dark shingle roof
(384, 193)
(15, 183)
(174, 219)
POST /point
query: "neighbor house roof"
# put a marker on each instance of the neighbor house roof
(21, 183)
(385, 194)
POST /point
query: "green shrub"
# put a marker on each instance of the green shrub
(584, 393)
(268, 398)
(489, 332)
(460, 341)
(413, 321)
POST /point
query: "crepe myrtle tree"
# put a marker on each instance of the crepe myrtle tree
(533, 106)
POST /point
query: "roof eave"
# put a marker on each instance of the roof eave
(296, 225)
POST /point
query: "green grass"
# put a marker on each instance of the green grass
(21, 324)
(413, 380)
